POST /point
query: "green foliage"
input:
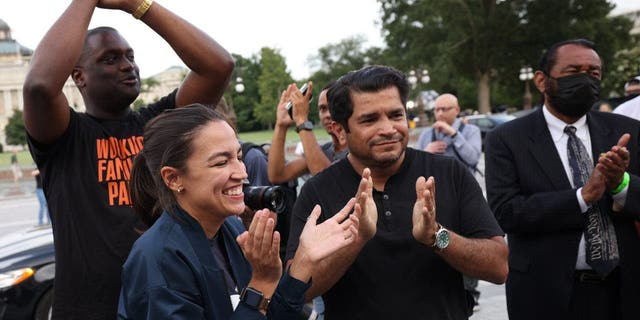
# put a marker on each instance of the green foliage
(272, 80)
(334, 60)
(149, 83)
(264, 136)
(245, 102)
(139, 103)
(627, 66)
(24, 157)
(470, 40)
(15, 132)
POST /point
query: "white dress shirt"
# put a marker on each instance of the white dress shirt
(560, 138)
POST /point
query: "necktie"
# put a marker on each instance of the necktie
(600, 237)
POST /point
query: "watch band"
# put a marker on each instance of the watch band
(254, 299)
(307, 125)
(441, 238)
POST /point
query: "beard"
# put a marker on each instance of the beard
(388, 156)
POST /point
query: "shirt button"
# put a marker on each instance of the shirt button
(386, 197)
(387, 213)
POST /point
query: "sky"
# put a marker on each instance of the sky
(297, 28)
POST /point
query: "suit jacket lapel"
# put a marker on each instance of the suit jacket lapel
(545, 153)
(240, 267)
(214, 276)
(601, 136)
(602, 139)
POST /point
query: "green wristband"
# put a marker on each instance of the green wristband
(622, 185)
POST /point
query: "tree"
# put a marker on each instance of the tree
(15, 132)
(272, 80)
(244, 102)
(150, 83)
(627, 66)
(488, 41)
(334, 60)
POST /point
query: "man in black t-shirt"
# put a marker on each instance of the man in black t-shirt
(85, 158)
(408, 260)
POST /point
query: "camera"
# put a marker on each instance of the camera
(289, 105)
(264, 197)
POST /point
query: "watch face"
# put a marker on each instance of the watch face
(442, 238)
(252, 297)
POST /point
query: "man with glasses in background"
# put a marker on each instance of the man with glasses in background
(450, 136)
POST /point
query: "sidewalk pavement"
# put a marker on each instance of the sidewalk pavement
(24, 188)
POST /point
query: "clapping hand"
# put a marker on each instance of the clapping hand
(364, 196)
(282, 115)
(615, 162)
(424, 211)
(261, 248)
(318, 241)
(300, 112)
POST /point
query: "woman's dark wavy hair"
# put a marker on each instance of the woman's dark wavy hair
(368, 79)
(167, 142)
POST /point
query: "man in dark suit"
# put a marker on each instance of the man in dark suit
(574, 253)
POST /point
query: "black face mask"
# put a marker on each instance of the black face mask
(574, 94)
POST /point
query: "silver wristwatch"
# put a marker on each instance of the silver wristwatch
(441, 240)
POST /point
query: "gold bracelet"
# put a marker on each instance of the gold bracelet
(142, 9)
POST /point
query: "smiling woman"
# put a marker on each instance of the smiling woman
(196, 260)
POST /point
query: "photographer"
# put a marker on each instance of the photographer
(196, 261)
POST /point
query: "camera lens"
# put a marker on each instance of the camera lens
(265, 197)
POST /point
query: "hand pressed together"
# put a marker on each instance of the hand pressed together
(261, 248)
(424, 211)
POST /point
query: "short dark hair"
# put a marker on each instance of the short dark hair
(367, 79)
(550, 56)
(90, 33)
(167, 142)
(328, 85)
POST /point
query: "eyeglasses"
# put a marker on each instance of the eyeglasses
(443, 109)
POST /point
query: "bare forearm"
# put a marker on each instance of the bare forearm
(315, 158)
(484, 259)
(211, 65)
(330, 270)
(58, 52)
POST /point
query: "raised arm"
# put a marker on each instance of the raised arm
(46, 113)
(315, 159)
(279, 169)
(211, 65)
